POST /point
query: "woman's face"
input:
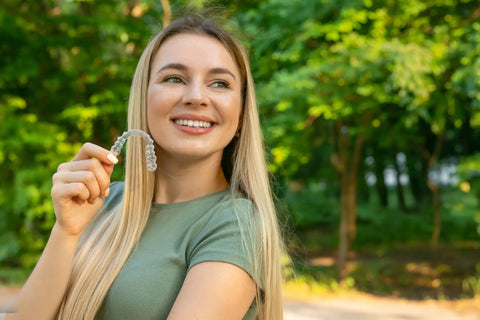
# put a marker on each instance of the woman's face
(194, 97)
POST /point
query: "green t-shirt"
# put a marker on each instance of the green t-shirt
(177, 236)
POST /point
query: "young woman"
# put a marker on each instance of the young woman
(196, 239)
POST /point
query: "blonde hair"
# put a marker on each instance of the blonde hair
(109, 240)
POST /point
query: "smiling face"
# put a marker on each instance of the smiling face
(194, 97)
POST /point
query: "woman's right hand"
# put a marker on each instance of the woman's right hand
(80, 187)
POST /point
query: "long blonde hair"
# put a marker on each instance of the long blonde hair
(109, 240)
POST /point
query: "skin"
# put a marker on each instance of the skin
(205, 84)
(78, 192)
(182, 84)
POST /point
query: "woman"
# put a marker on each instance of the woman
(196, 239)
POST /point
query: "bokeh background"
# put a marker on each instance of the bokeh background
(370, 110)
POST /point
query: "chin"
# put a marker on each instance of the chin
(194, 154)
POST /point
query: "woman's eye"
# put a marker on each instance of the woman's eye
(220, 84)
(173, 79)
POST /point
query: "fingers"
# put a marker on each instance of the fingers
(96, 182)
(87, 176)
(90, 150)
(75, 190)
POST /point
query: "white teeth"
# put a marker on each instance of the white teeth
(193, 124)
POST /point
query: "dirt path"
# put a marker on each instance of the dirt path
(345, 308)
(373, 309)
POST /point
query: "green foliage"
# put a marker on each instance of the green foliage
(13, 276)
(403, 73)
(471, 284)
(317, 280)
(469, 168)
(469, 177)
(65, 72)
(31, 150)
(313, 206)
(403, 271)
(316, 219)
(335, 61)
(412, 67)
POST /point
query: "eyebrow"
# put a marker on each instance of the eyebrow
(177, 66)
(222, 70)
(182, 67)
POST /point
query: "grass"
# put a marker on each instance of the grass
(411, 272)
(391, 254)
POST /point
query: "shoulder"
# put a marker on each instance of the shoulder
(233, 213)
(231, 206)
(229, 234)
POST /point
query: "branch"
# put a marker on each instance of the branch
(167, 13)
(357, 154)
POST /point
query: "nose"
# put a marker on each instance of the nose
(195, 94)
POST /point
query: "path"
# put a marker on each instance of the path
(371, 309)
(344, 309)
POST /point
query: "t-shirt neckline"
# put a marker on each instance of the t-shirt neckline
(208, 197)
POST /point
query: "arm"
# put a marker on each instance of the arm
(214, 291)
(42, 293)
(78, 192)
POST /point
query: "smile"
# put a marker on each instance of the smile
(192, 123)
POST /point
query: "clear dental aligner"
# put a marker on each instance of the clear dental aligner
(150, 152)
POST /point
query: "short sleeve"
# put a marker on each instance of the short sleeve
(228, 236)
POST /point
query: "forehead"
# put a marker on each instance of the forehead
(195, 50)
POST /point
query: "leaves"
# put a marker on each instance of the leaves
(66, 67)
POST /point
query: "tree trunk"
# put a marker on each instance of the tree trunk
(351, 203)
(352, 183)
(437, 215)
(339, 160)
(344, 243)
(347, 163)
(167, 13)
(399, 187)
(348, 217)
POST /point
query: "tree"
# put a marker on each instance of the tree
(347, 73)
(65, 73)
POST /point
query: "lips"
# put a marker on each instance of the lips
(193, 124)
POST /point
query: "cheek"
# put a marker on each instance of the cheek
(154, 111)
(233, 111)
(150, 114)
(233, 120)
(156, 103)
(150, 102)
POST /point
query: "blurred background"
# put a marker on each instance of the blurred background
(370, 110)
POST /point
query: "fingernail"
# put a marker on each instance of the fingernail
(107, 192)
(112, 158)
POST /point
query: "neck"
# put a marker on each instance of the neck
(177, 181)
